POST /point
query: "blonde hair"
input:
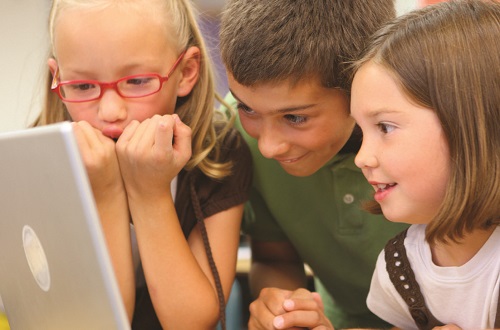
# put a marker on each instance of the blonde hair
(446, 57)
(197, 109)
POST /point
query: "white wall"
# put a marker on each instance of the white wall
(403, 6)
(23, 49)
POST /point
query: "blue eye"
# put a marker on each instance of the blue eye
(295, 120)
(140, 80)
(82, 86)
(243, 108)
(385, 128)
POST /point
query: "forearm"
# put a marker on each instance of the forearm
(176, 282)
(276, 274)
(115, 221)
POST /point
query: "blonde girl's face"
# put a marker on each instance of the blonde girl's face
(404, 154)
(106, 45)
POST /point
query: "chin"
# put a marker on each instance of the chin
(397, 218)
(299, 172)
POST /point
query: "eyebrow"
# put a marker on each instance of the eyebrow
(122, 70)
(382, 111)
(283, 110)
(378, 112)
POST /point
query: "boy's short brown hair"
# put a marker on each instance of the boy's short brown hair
(277, 40)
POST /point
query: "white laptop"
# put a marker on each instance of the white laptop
(55, 272)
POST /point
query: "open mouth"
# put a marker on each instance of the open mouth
(383, 186)
(289, 160)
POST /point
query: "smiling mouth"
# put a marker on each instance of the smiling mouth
(289, 160)
(383, 186)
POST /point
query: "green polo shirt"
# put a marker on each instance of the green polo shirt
(322, 217)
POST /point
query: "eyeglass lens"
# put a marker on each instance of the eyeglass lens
(135, 86)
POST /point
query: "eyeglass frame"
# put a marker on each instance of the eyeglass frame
(56, 85)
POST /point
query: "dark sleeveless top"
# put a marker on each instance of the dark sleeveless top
(199, 196)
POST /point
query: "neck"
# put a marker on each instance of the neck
(455, 254)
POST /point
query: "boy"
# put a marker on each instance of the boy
(286, 70)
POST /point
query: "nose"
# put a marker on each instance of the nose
(365, 157)
(272, 142)
(112, 106)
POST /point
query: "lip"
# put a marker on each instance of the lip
(112, 131)
(382, 193)
(289, 160)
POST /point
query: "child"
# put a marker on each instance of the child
(285, 63)
(136, 72)
(426, 96)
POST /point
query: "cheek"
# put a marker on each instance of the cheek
(332, 133)
(146, 111)
(251, 126)
(317, 140)
(144, 108)
(80, 112)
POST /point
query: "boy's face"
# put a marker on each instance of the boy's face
(302, 126)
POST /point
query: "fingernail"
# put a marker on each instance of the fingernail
(278, 322)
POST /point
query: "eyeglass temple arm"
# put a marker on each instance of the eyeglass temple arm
(54, 83)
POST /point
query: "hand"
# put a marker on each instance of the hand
(152, 153)
(447, 327)
(283, 309)
(99, 156)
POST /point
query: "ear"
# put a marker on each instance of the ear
(190, 71)
(52, 65)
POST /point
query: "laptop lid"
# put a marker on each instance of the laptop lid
(55, 271)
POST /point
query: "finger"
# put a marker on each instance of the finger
(181, 135)
(80, 136)
(302, 299)
(146, 132)
(93, 137)
(164, 133)
(260, 316)
(268, 305)
(317, 298)
(139, 133)
(296, 304)
(447, 327)
(89, 143)
(127, 134)
(299, 319)
(273, 299)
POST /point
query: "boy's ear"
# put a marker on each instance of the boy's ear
(190, 70)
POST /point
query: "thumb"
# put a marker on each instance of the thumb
(319, 301)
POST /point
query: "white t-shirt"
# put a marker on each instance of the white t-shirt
(466, 296)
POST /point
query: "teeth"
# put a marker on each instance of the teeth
(383, 186)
